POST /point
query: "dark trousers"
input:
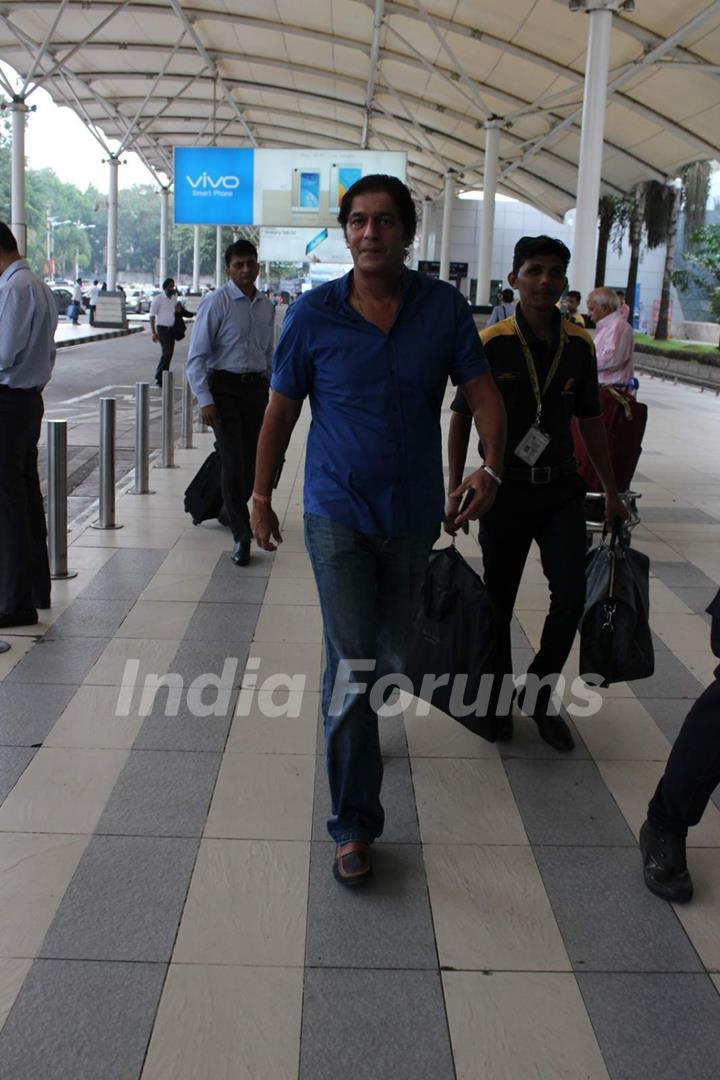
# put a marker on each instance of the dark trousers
(167, 344)
(693, 769)
(241, 401)
(24, 568)
(553, 516)
(91, 316)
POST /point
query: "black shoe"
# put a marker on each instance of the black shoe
(504, 728)
(664, 864)
(352, 865)
(23, 617)
(555, 732)
(241, 553)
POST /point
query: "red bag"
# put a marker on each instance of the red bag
(625, 421)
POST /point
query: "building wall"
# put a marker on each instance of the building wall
(515, 219)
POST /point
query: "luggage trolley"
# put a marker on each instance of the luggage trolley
(625, 420)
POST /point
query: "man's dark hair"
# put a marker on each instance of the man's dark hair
(239, 247)
(95, 282)
(7, 240)
(508, 296)
(575, 295)
(390, 185)
(79, 281)
(528, 247)
(168, 281)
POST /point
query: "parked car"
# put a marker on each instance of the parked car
(63, 297)
(136, 300)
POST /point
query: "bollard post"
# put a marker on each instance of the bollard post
(167, 453)
(57, 500)
(106, 516)
(142, 439)
(186, 427)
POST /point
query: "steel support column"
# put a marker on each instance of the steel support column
(218, 257)
(582, 271)
(196, 259)
(18, 213)
(425, 229)
(112, 222)
(490, 175)
(164, 226)
(447, 226)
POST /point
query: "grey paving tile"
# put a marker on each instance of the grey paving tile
(687, 515)
(90, 618)
(671, 679)
(668, 713)
(384, 924)
(161, 794)
(374, 1025)
(186, 731)
(608, 919)
(260, 565)
(526, 743)
(197, 658)
(223, 622)
(109, 586)
(235, 590)
(697, 597)
(397, 796)
(124, 901)
(136, 561)
(662, 1026)
(518, 637)
(565, 802)
(81, 1020)
(14, 760)
(64, 660)
(682, 573)
(28, 711)
(393, 742)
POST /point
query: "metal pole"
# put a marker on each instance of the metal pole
(57, 499)
(591, 148)
(106, 515)
(425, 229)
(446, 227)
(112, 224)
(492, 145)
(167, 454)
(196, 259)
(218, 257)
(142, 439)
(18, 219)
(163, 260)
(186, 426)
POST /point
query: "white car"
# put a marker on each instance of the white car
(136, 300)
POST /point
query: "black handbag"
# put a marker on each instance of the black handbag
(454, 635)
(615, 637)
(203, 497)
(179, 327)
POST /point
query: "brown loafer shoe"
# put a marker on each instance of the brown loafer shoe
(352, 864)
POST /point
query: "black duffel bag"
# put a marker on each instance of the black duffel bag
(454, 635)
(203, 496)
(615, 638)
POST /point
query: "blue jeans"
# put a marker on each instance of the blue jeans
(368, 587)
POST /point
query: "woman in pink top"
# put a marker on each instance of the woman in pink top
(614, 341)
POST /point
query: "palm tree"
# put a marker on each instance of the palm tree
(691, 196)
(637, 214)
(610, 211)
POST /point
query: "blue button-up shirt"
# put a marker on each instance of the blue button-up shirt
(231, 333)
(28, 318)
(374, 454)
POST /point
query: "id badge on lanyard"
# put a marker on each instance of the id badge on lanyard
(535, 440)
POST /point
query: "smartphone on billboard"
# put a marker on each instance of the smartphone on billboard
(343, 177)
(306, 189)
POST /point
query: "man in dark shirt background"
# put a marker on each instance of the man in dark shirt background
(372, 352)
(544, 367)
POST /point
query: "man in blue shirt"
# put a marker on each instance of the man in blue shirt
(228, 367)
(28, 318)
(373, 352)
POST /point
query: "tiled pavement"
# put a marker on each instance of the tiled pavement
(166, 904)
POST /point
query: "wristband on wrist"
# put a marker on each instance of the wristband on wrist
(261, 498)
(491, 472)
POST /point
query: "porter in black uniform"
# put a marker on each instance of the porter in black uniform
(544, 366)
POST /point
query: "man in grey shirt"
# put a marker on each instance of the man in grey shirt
(228, 367)
(28, 318)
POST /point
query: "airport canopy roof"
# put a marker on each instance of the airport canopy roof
(422, 76)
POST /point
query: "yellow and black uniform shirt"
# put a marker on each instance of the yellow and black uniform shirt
(572, 392)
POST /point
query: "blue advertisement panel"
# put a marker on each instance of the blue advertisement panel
(214, 185)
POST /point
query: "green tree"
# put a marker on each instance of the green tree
(704, 265)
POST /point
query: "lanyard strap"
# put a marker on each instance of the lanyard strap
(532, 371)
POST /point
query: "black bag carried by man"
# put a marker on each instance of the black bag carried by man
(454, 640)
(203, 497)
(179, 327)
(615, 638)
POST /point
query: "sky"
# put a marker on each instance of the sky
(56, 138)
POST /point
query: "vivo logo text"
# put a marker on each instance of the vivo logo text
(206, 182)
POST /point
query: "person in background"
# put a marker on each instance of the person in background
(624, 306)
(691, 775)
(163, 311)
(572, 308)
(503, 310)
(614, 339)
(77, 300)
(94, 293)
(28, 319)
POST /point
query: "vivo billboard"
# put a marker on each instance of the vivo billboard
(285, 188)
